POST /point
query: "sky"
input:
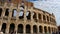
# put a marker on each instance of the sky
(51, 6)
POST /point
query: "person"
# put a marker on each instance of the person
(47, 33)
(53, 33)
(1, 32)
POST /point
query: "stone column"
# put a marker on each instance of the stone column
(25, 14)
(10, 13)
(51, 30)
(3, 12)
(47, 29)
(31, 19)
(38, 29)
(16, 28)
(31, 29)
(7, 28)
(0, 26)
(18, 11)
(31, 14)
(24, 30)
(37, 17)
(43, 30)
(42, 17)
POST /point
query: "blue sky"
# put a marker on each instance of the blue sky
(51, 6)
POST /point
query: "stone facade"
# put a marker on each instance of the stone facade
(22, 17)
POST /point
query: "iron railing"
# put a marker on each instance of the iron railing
(23, 33)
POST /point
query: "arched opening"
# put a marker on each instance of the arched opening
(34, 29)
(20, 28)
(44, 17)
(35, 16)
(45, 29)
(40, 29)
(0, 11)
(7, 12)
(52, 30)
(21, 14)
(47, 18)
(28, 28)
(28, 15)
(14, 13)
(12, 27)
(39, 16)
(3, 27)
(22, 5)
(49, 30)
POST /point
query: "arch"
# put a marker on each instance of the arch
(52, 30)
(22, 6)
(28, 28)
(3, 27)
(34, 29)
(39, 16)
(12, 27)
(7, 12)
(47, 18)
(28, 15)
(20, 28)
(0, 11)
(35, 16)
(21, 14)
(45, 29)
(44, 17)
(14, 12)
(40, 29)
(49, 29)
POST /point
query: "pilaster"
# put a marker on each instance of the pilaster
(31, 29)
(42, 17)
(18, 11)
(38, 29)
(3, 12)
(7, 29)
(43, 30)
(31, 14)
(24, 30)
(10, 13)
(25, 14)
(16, 28)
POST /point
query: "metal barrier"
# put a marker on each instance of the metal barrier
(23, 33)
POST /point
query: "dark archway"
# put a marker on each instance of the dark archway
(49, 29)
(28, 29)
(7, 12)
(39, 16)
(34, 29)
(40, 29)
(35, 16)
(21, 14)
(20, 28)
(52, 30)
(3, 27)
(0, 11)
(12, 27)
(28, 15)
(44, 17)
(45, 29)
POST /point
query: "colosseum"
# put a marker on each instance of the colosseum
(21, 17)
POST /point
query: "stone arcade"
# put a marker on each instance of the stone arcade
(21, 17)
